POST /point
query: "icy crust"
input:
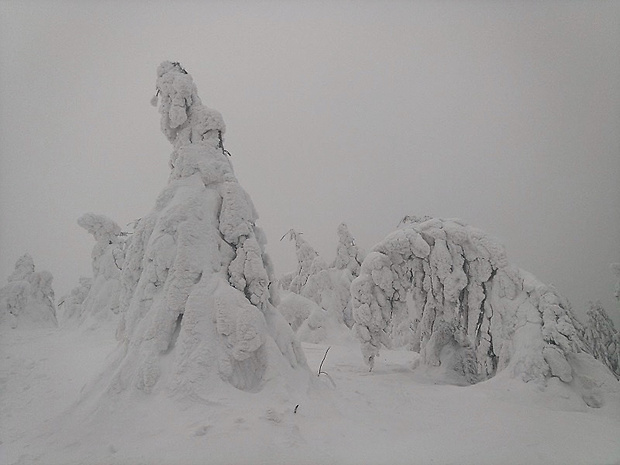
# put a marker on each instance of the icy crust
(101, 303)
(197, 309)
(434, 284)
(27, 301)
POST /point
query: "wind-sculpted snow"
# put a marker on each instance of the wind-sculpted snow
(196, 304)
(446, 289)
(27, 301)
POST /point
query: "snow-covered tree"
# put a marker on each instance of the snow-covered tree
(446, 289)
(27, 301)
(602, 337)
(348, 255)
(327, 286)
(615, 269)
(196, 297)
(305, 258)
(72, 303)
(102, 301)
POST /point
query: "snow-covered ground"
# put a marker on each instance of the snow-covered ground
(351, 416)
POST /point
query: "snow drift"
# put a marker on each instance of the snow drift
(195, 299)
(27, 301)
(446, 289)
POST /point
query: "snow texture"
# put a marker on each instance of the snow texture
(27, 301)
(615, 269)
(195, 299)
(434, 284)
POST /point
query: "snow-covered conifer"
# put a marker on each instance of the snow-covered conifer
(446, 289)
(71, 303)
(196, 298)
(348, 254)
(602, 337)
(102, 301)
(27, 301)
(305, 258)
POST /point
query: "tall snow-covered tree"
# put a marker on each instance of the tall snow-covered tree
(196, 295)
(446, 289)
(27, 301)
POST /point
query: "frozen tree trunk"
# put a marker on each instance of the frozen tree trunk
(27, 301)
(196, 298)
(446, 289)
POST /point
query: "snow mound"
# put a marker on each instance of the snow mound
(197, 311)
(446, 289)
(27, 301)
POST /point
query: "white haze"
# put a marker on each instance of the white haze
(505, 114)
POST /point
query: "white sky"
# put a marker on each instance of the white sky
(504, 114)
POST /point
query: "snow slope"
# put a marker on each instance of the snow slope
(393, 415)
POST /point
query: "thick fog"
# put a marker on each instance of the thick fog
(504, 114)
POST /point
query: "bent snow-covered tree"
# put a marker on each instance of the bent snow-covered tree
(446, 289)
(27, 301)
(196, 301)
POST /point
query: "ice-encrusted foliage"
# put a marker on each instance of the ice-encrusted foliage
(446, 289)
(196, 303)
(108, 255)
(602, 337)
(27, 301)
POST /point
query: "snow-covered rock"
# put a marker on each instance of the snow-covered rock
(437, 283)
(27, 301)
(196, 301)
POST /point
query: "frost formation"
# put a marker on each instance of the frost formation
(446, 289)
(196, 299)
(27, 301)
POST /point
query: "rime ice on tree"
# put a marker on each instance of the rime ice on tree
(27, 301)
(196, 299)
(447, 290)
